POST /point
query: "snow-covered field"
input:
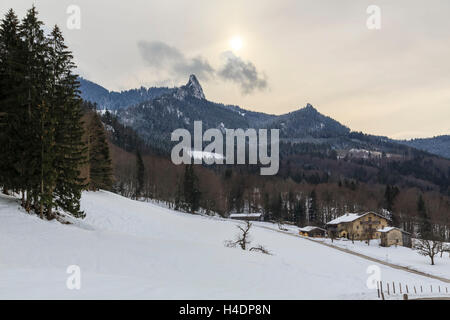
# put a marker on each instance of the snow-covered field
(401, 256)
(135, 250)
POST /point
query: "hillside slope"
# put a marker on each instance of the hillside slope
(129, 249)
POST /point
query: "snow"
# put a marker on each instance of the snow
(387, 229)
(136, 250)
(196, 154)
(245, 215)
(348, 217)
(309, 228)
(399, 255)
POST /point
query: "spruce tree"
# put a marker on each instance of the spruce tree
(140, 172)
(67, 109)
(100, 167)
(191, 189)
(32, 95)
(9, 104)
(425, 228)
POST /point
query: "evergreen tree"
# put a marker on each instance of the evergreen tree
(33, 161)
(69, 145)
(100, 167)
(10, 81)
(425, 228)
(390, 194)
(140, 173)
(191, 189)
(40, 114)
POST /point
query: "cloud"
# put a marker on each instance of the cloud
(243, 73)
(162, 56)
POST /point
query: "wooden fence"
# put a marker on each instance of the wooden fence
(394, 289)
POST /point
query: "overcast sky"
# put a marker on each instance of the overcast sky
(394, 81)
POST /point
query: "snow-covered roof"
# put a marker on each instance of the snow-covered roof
(387, 229)
(348, 217)
(245, 215)
(310, 228)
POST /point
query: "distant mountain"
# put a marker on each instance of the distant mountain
(314, 148)
(439, 145)
(113, 100)
(308, 122)
(155, 112)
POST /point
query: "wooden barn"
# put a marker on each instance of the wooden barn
(311, 231)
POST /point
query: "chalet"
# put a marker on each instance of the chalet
(311, 231)
(394, 236)
(357, 226)
(247, 216)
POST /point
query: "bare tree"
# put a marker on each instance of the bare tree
(261, 249)
(429, 248)
(243, 240)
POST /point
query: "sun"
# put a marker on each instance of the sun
(236, 43)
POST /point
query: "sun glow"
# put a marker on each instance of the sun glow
(236, 43)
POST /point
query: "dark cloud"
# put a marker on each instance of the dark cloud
(160, 55)
(242, 72)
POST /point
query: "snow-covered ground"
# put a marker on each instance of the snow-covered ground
(135, 250)
(402, 256)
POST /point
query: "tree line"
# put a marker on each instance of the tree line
(43, 138)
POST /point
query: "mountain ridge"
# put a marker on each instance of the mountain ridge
(155, 112)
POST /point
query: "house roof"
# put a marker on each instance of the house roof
(350, 217)
(387, 229)
(245, 215)
(310, 228)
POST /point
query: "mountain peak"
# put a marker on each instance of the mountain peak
(309, 107)
(194, 88)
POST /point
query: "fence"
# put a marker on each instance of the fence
(392, 290)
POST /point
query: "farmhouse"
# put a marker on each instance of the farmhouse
(247, 216)
(357, 226)
(311, 231)
(394, 236)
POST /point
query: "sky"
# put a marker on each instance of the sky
(273, 56)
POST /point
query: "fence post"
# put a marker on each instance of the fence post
(388, 288)
(431, 286)
(378, 289)
(400, 287)
(393, 287)
(421, 289)
(415, 291)
(407, 291)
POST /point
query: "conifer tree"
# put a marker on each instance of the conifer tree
(9, 103)
(100, 167)
(33, 60)
(191, 189)
(40, 113)
(140, 173)
(69, 146)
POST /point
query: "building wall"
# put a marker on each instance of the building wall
(393, 237)
(359, 227)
